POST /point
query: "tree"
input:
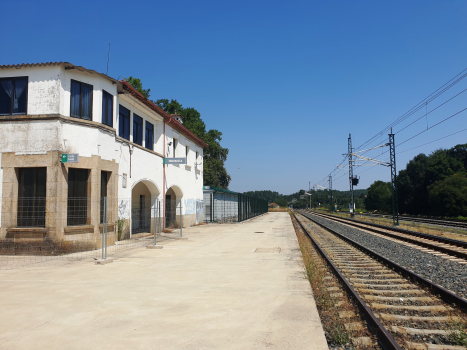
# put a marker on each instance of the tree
(459, 152)
(171, 107)
(423, 171)
(138, 85)
(411, 186)
(379, 197)
(448, 197)
(214, 170)
(441, 166)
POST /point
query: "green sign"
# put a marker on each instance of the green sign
(70, 158)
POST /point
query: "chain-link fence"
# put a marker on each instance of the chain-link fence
(227, 206)
(78, 229)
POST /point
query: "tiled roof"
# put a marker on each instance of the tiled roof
(67, 65)
(168, 119)
(43, 64)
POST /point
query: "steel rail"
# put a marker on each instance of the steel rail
(449, 223)
(445, 294)
(378, 227)
(385, 339)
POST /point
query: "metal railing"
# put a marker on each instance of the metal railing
(31, 212)
(226, 206)
(79, 229)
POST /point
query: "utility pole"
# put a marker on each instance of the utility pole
(314, 191)
(392, 155)
(352, 214)
(330, 191)
(309, 188)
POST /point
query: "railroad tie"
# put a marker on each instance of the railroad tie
(433, 308)
(394, 317)
(412, 299)
(426, 346)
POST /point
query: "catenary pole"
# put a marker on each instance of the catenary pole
(352, 214)
(392, 156)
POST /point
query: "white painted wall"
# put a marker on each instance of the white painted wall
(27, 137)
(186, 176)
(49, 93)
(98, 83)
(43, 87)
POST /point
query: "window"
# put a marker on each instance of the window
(107, 108)
(77, 210)
(187, 152)
(31, 197)
(124, 123)
(137, 129)
(174, 147)
(149, 136)
(197, 156)
(81, 100)
(13, 95)
(104, 181)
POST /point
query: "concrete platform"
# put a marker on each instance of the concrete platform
(211, 291)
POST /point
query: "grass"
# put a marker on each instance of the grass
(458, 333)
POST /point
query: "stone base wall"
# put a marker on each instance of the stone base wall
(56, 229)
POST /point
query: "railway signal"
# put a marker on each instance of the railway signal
(353, 181)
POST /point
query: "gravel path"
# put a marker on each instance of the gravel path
(449, 274)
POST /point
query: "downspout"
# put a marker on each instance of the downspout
(163, 186)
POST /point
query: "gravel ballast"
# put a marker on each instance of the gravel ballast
(448, 274)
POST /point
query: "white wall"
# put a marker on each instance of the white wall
(43, 87)
(98, 83)
(30, 137)
(148, 115)
(49, 93)
(187, 177)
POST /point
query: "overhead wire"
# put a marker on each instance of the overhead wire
(441, 90)
(419, 105)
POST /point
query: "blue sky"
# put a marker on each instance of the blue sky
(285, 82)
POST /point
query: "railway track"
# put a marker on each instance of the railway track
(403, 309)
(454, 250)
(436, 222)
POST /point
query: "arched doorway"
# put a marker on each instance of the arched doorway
(144, 195)
(173, 197)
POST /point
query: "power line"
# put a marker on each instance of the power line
(433, 141)
(431, 111)
(431, 127)
(438, 92)
(419, 105)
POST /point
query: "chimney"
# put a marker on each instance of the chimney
(177, 117)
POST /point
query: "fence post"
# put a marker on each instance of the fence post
(154, 220)
(105, 226)
(159, 217)
(181, 220)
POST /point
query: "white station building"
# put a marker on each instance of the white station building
(70, 137)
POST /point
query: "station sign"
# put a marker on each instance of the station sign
(174, 160)
(70, 158)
